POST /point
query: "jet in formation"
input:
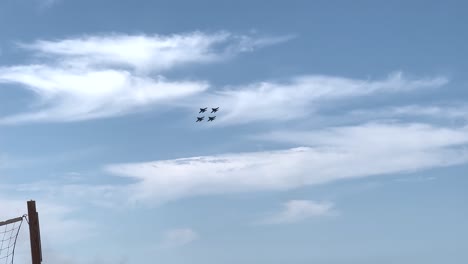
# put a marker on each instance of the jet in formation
(210, 118)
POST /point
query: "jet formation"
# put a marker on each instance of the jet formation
(210, 118)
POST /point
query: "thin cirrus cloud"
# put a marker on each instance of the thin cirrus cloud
(75, 94)
(295, 211)
(179, 237)
(301, 96)
(111, 75)
(454, 111)
(324, 156)
(149, 52)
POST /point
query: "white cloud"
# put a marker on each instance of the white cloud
(448, 111)
(72, 94)
(179, 237)
(101, 76)
(301, 96)
(299, 210)
(110, 75)
(328, 155)
(149, 52)
(375, 137)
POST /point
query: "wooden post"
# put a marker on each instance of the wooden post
(34, 233)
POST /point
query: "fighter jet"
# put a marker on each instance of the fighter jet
(199, 119)
(214, 110)
(202, 110)
(211, 118)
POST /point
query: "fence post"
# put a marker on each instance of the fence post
(34, 233)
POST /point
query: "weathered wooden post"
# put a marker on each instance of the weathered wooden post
(34, 233)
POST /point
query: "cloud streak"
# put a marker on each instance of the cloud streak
(454, 111)
(295, 211)
(323, 156)
(103, 76)
(73, 95)
(100, 76)
(302, 96)
(149, 52)
(179, 237)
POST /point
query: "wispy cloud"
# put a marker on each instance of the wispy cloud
(375, 137)
(101, 76)
(179, 237)
(452, 111)
(72, 94)
(110, 75)
(149, 52)
(324, 156)
(300, 210)
(302, 96)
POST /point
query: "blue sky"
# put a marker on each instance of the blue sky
(341, 137)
